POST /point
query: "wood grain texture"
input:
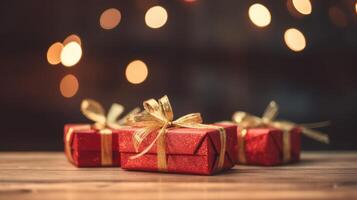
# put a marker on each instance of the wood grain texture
(45, 175)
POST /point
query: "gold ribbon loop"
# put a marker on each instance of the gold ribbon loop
(271, 112)
(114, 112)
(246, 120)
(158, 116)
(94, 111)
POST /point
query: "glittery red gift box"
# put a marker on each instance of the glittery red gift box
(85, 146)
(264, 146)
(191, 151)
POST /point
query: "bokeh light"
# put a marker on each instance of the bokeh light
(356, 7)
(69, 86)
(259, 15)
(71, 54)
(54, 53)
(110, 18)
(303, 6)
(72, 38)
(156, 17)
(136, 72)
(294, 39)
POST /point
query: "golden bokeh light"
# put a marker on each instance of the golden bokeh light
(71, 54)
(136, 72)
(302, 6)
(259, 15)
(356, 7)
(294, 39)
(72, 38)
(54, 53)
(110, 18)
(156, 17)
(69, 86)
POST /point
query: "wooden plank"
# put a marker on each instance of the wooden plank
(46, 175)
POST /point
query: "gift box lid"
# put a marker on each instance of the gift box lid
(86, 138)
(183, 141)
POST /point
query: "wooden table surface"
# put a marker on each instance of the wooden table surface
(45, 175)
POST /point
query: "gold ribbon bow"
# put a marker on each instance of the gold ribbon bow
(94, 111)
(246, 120)
(158, 116)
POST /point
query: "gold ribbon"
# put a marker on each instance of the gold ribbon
(103, 123)
(246, 120)
(158, 116)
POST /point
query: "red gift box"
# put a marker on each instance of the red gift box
(188, 150)
(84, 147)
(265, 146)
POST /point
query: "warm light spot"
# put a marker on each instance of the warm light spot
(337, 17)
(356, 7)
(303, 6)
(72, 38)
(69, 86)
(54, 53)
(110, 18)
(71, 54)
(136, 72)
(189, 1)
(156, 17)
(259, 15)
(294, 39)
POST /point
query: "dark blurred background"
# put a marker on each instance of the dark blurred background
(208, 57)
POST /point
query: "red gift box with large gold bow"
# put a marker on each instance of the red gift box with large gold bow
(185, 145)
(188, 150)
(266, 141)
(268, 146)
(86, 146)
(94, 145)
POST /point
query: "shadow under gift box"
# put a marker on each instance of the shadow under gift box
(85, 146)
(191, 151)
(264, 146)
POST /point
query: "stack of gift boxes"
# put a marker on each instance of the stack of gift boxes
(152, 140)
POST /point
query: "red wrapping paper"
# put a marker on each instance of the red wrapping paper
(86, 146)
(264, 146)
(191, 151)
